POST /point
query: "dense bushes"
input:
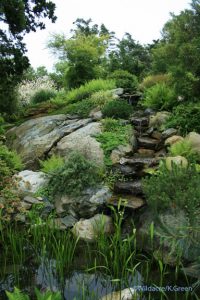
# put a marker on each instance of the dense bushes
(117, 109)
(152, 80)
(76, 174)
(125, 80)
(175, 189)
(27, 89)
(10, 162)
(185, 117)
(42, 95)
(86, 90)
(159, 97)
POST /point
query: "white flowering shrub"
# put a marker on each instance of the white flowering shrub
(27, 89)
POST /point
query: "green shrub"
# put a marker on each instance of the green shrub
(117, 109)
(113, 135)
(42, 95)
(11, 158)
(178, 188)
(184, 148)
(159, 97)
(81, 108)
(76, 174)
(86, 90)
(10, 162)
(1, 125)
(51, 164)
(101, 98)
(125, 80)
(185, 117)
(152, 80)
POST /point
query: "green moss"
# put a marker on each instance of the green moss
(114, 134)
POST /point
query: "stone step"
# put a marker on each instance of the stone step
(128, 201)
(126, 170)
(149, 143)
(129, 187)
(142, 152)
(140, 121)
(139, 163)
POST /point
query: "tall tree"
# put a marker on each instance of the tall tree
(178, 51)
(18, 17)
(84, 53)
(130, 56)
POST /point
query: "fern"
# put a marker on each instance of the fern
(17, 295)
(48, 295)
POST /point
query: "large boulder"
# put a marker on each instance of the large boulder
(84, 206)
(84, 141)
(176, 160)
(29, 182)
(89, 229)
(173, 139)
(35, 138)
(159, 119)
(172, 236)
(121, 151)
(194, 139)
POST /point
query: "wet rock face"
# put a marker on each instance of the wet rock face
(90, 202)
(149, 143)
(59, 134)
(129, 187)
(35, 138)
(82, 140)
(29, 182)
(142, 121)
(172, 238)
(128, 201)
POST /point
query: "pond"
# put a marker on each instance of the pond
(37, 256)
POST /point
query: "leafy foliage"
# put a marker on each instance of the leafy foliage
(42, 95)
(48, 295)
(85, 91)
(51, 164)
(114, 134)
(130, 56)
(83, 53)
(100, 98)
(152, 80)
(178, 54)
(76, 174)
(81, 108)
(185, 117)
(125, 80)
(20, 17)
(10, 162)
(11, 158)
(29, 87)
(174, 189)
(184, 148)
(117, 109)
(159, 97)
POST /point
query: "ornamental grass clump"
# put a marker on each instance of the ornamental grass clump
(28, 88)
(86, 90)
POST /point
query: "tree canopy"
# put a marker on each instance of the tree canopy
(18, 17)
